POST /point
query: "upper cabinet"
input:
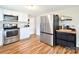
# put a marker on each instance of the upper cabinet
(22, 17)
(9, 12)
(1, 14)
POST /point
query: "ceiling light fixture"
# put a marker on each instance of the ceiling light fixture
(31, 7)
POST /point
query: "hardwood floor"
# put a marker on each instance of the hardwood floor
(34, 46)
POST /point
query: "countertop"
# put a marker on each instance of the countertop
(19, 23)
(14, 22)
(66, 30)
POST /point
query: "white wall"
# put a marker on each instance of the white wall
(37, 25)
(32, 25)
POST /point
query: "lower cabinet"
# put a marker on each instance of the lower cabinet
(66, 39)
(24, 33)
(1, 37)
(65, 43)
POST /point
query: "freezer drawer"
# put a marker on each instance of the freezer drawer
(46, 38)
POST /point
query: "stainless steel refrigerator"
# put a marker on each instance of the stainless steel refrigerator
(48, 25)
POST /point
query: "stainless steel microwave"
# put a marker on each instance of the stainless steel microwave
(10, 18)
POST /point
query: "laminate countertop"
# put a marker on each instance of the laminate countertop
(66, 30)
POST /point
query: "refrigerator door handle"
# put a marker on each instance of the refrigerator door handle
(47, 33)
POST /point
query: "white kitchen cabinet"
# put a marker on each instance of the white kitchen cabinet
(24, 33)
(1, 37)
(1, 14)
(23, 17)
(10, 12)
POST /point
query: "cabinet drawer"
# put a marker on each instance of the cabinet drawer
(65, 43)
(66, 36)
(61, 35)
(71, 38)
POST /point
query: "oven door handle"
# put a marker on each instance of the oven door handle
(11, 30)
(5, 33)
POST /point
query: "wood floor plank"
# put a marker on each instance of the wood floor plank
(34, 46)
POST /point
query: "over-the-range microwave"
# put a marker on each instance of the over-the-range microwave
(10, 18)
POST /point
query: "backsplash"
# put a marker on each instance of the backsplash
(69, 23)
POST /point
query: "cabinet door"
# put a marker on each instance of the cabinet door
(22, 17)
(24, 33)
(1, 37)
(66, 36)
(1, 14)
(65, 43)
(9, 12)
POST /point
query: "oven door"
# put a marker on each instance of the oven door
(11, 35)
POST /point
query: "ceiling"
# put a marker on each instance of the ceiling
(37, 9)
